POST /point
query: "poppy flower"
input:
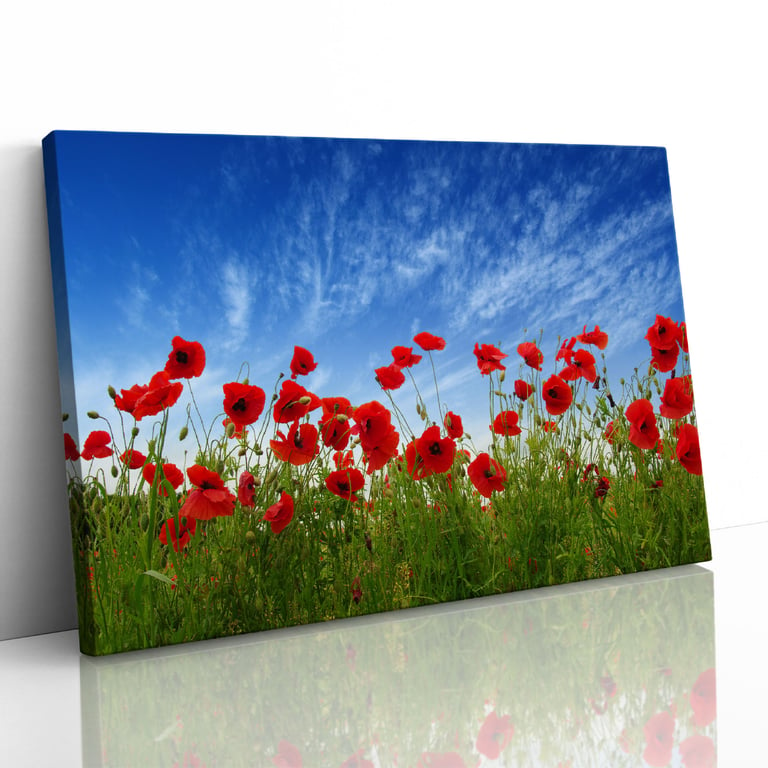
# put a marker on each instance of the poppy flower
(414, 464)
(532, 355)
(169, 472)
(436, 452)
(96, 445)
(336, 405)
(280, 513)
(211, 498)
(659, 731)
(343, 459)
(390, 376)
(557, 395)
(428, 342)
(294, 402)
(161, 393)
(566, 350)
(243, 403)
(246, 489)
(664, 360)
(302, 362)
(697, 751)
(404, 357)
(453, 426)
(610, 432)
(168, 533)
(487, 475)
(683, 336)
(580, 365)
(643, 431)
(378, 455)
(187, 359)
(239, 431)
(687, 448)
(372, 423)
(523, 389)
(677, 400)
(70, 448)
(597, 337)
(505, 423)
(287, 756)
(663, 334)
(549, 426)
(132, 459)
(299, 446)
(128, 398)
(335, 431)
(345, 483)
(703, 699)
(494, 735)
(441, 760)
(489, 358)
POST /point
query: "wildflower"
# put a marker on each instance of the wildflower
(70, 448)
(523, 389)
(96, 445)
(489, 358)
(243, 403)
(643, 431)
(345, 483)
(161, 393)
(557, 395)
(280, 513)
(299, 446)
(532, 355)
(505, 423)
(453, 426)
(698, 751)
(186, 531)
(703, 699)
(132, 459)
(677, 400)
(436, 452)
(287, 756)
(390, 376)
(294, 402)
(246, 489)
(659, 731)
(580, 365)
(494, 735)
(169, 472)
(487, 475)
(302, 362)
(663, 334)
(404, 357)
(687, 448)
(210, 498)
(597, 337)
(428, 342)
(664, 360)
(186, 361)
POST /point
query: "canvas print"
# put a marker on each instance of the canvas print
(307, 379)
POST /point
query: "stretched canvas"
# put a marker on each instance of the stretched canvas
(306, 379)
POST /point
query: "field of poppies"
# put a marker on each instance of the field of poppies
(307, 508)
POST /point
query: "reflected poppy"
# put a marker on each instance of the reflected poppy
(441, 760)
(658, 733)
(287, 756)
(698, 751)
(70, 448)
(494, 735)
(704, 699)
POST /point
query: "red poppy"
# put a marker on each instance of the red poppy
(663, 334)
(169, 472)
(659, 732)
(414, 463)
(664, 360)
(294, 402)
(453, 426)
(677, 400)
(287, 756)
(343, 459)
(549, 426)
(597, 337)
(186, 532)
(336, 405)
(187, 359)
(489, 358)
(698, 751)
(133, 459)
(380, 454)
(161, 393)
(580, 365)
(96, 445)
(566, 350)
(70, 448)
(302, 362)
(610, 431)
(345, 483)
(487, 475)
(703, 699)
(494, 735)
(240, 430)
(428, 342)
(280, 513)
(532, 355)
(687, 448)
(557, 395)
(683, 336)
(523, 389)
(246, 489)
(299, 446)
(357, 596)
(505, 423)
(335, 431)
(127, 399)
(404, 357)
(643, 431)
(441, 760)
(210, 498)
(390, 376)
(436, 452)
(373, 423)
(243, 403)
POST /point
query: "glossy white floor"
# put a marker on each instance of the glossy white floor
(610, 673)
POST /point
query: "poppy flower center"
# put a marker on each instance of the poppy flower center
(434, 449)
(206, 486)
(553, 393)
(182, 357)
(239, 405)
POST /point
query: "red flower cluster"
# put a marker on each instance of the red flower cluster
(149, 399)
(378, 437)
(666, 339)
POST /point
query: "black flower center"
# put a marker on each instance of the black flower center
(182, 357)
(239, 405)
(434, 449)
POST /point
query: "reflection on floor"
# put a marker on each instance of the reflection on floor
(602, 673)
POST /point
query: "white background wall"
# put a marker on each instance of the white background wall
(689, 77)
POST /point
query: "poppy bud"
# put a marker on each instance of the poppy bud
(220, 467)
(271, 477)
(257, 450)
(111, 392)
(256, 481)
(230, 429)
(622, 382)
(389, 493)
(305, 400)
(64, 416)
(242, 452)
(151, 445)
(135, 432)
(183, 433)
(144, 522)
(114, 471)
(250, 537)
(245, 381)
(342, 418)
(502, 376)
(587, 409)
(92, 414)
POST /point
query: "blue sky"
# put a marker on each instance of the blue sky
(251, 245)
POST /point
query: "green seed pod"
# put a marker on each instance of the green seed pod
(271, 477)
(230, 431)
(183, 433)
(114, 471)
(92, 414)
(64, 416)
(502, 376)
(498, 393)
(111, 392)
(257, 481)
(144, 522)
(250, 538)
(96, 504)
(622, 382)
(257, 450)
(220, 467)
(242, 452)
(135, 432)
(245, 381)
